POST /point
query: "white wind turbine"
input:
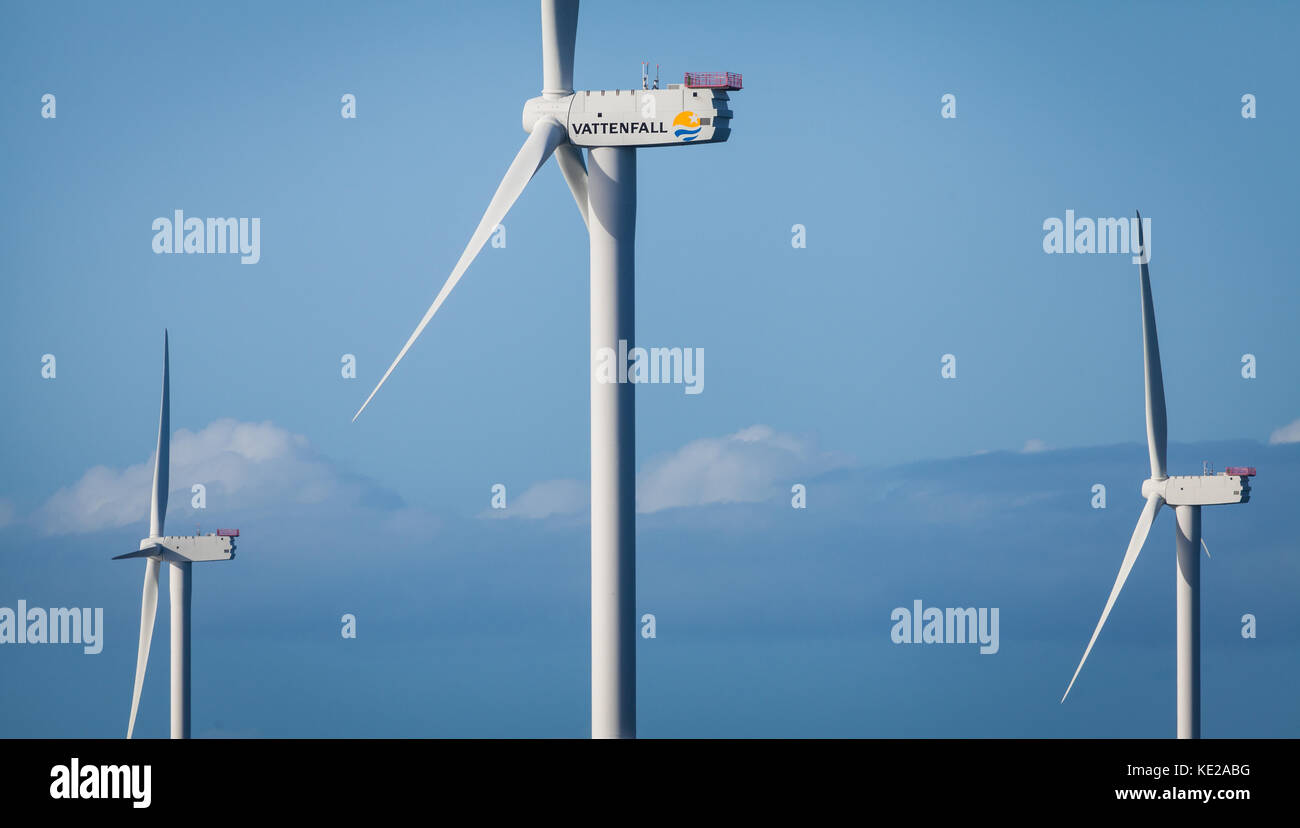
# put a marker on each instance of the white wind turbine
(179, 551)
(612, 124)
(1186, 494)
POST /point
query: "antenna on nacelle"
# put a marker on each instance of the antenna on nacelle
(645, 76)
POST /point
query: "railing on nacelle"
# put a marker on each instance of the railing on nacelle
(726, 81)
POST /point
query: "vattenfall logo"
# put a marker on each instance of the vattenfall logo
(617, 128)
(687, 127)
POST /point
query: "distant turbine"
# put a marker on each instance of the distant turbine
(179, 551)
(1187, 494)
(612, 123)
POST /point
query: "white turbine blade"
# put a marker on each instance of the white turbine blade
(559, 30)
(1134, 548)
(162, 459)
(1206, 548)
(1157, 427)
(574, 168)
(546, 136)
(148, 609)
(156, 549)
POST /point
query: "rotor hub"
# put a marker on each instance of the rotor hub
(1150, 487)
(544, 107)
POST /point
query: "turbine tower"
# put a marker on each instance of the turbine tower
(611, 124)
(179, 551)
(1186, 494)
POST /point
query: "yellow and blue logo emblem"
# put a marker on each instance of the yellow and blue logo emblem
(687, 125)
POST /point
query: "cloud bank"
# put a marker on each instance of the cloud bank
(550, 498)
(752, 465)
(755, 464)
(241, 465)
(1289, 433)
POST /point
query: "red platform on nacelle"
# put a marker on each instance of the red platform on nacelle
(726, 81)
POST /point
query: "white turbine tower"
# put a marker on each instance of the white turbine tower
(1186, 494)
(611, 124)
(179, 551)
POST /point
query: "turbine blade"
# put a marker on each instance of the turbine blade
(546, 136)
(1134, 548)
(156, 549)
(162, 458)
(148, 610)
(1206, 548)
(1157, 427)
(574, 168)
(559, 31)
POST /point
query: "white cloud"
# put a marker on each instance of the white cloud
(752, 465)
(242, 465)
(546, 499)
(1289, 433)
(1033, 445)
(6, 513)
(255, 466)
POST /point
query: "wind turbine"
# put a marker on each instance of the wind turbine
(179, 551)
(1186, 494)
(611, 123)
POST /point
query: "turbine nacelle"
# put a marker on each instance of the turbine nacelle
(675, 116)
(181, 548)
(1199, 489)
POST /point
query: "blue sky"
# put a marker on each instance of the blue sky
(924, 238)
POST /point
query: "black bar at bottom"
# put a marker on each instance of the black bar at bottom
(333, 777)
